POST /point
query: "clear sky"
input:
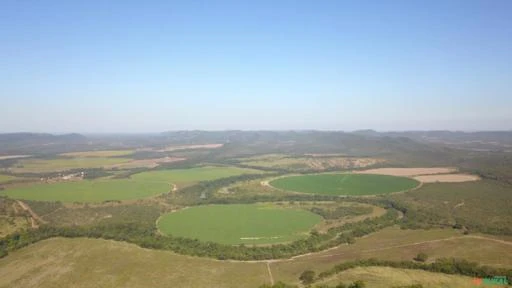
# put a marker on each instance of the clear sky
(150, 66)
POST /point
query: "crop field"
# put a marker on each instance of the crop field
(100, 153)
(139, 186)
(5, 178)
(179, 176)
(89, 191)
(62, 164)
(237, 224)
(344, 184)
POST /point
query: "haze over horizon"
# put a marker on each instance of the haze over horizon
(133, 67)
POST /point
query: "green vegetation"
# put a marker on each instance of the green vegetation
(236, 224)
(88, 191)
(6, 178)
(344, 184)
(80, 262)
(100, 153)
(34, 165)
(481, 206)
(140, 185)
(191, 175)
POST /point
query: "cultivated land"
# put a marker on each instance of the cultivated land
(140, 185)
(62, 164)
(408, 171)
(344, 184)
(216, 201)
(447, 178)
(89, 191)
(5, 178)
(102, 153)
(237, 224)
(181, 176)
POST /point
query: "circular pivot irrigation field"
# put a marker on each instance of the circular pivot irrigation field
(344, 184)
(239, 223)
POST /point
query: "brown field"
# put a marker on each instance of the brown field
(396, 244)
(147, 163)
(449, 178)
(408, 172)
(385, 277)
(186, 147)
(13, 157)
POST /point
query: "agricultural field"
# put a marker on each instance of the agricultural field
(139, 186)
(34, 165)
(191, 175)
(344, 184)
(308, 163)
(100, 153)
(237, 224)
(89, 191)
(6, 178)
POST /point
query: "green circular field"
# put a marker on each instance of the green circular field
(344, 184)
(239, 223)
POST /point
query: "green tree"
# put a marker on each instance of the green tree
(421, 257)
(307, 277)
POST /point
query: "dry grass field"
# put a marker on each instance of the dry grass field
(447, 178)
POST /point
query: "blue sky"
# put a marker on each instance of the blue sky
(150, 66)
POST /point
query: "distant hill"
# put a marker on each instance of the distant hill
(12, 143)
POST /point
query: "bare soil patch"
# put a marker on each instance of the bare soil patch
(450, 178)
(184, 147)
(408, 172)
(149, 163)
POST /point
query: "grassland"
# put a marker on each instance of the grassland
(386, 277)
(482, 206)
(237, 224)
(101, 153)
(88, 191)
(397, 245)
(96, 263)
(179, 176)
(80, 262)
(344, 184)
(62, 164)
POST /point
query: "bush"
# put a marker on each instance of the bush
(421, 257)
(307, 277)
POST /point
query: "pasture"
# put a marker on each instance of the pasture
(88, 263)
(239, 223)
(344, 184)
(99, 153)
